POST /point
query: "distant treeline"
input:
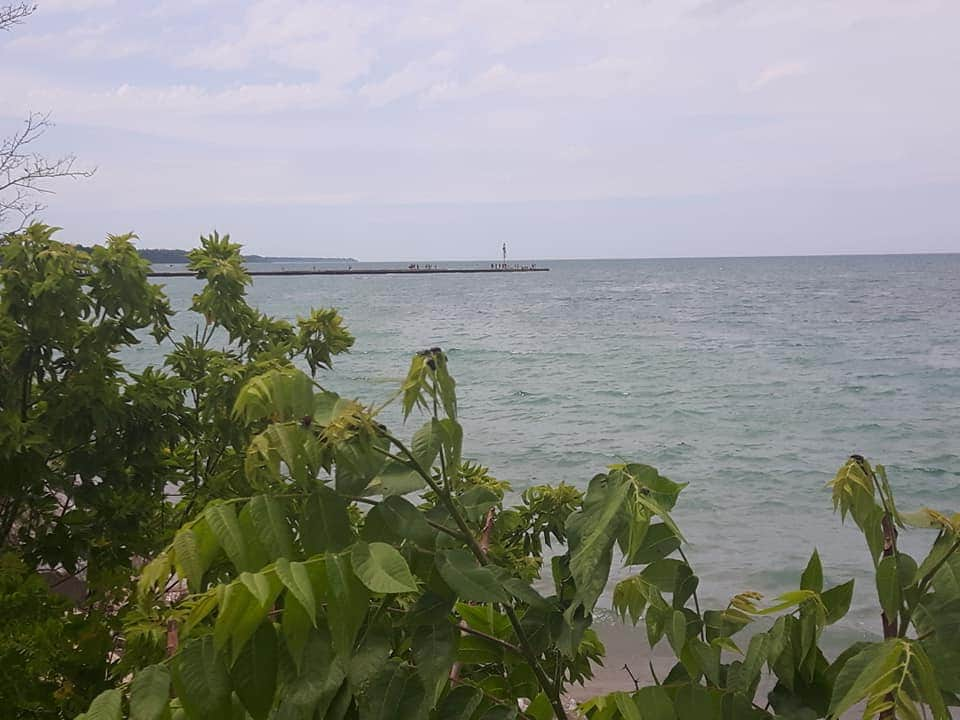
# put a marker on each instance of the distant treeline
(179, 257)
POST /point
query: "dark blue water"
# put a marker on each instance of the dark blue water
(751, 379)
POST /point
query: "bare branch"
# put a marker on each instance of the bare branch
(11, 15)
(25, 174)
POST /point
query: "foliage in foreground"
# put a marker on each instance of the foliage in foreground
(314, 564)
(99, 464)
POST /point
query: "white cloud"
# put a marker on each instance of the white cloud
(414, 78)
(73, 5)
(152, 107)
(780, 71)
(606, 77)
(326, 39)
(95, 41)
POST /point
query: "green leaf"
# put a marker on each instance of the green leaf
(524, 592)
(654, 507)
(658, 542)
(186, 559)
(925, 680)
(591, 534)
(471, 581)
(263, 586)
(347, 602)
(836, 601)
(244, 606)
(296, 578)
(415, 385)
(477, 501)
(812, 578)
(888, 586)
(881, 669)
(756, 656)
(540, 708)
(106, 706)
(694, 702)
(150, 694)
(664, 574)
(406, 521)
(906, 570)
(382, 568)
(321, 673)
(372, 655)
(254, 674)
(452, 445)
(657, 616)
(881, 472)
(459, 704)
(395, 693)
(429, 609)
(222, 519)
(256, 552)
(788, 705)
(434, 652)
(205, 605)
(201, 681)
(662, 490)
(325, 526)
(627, 706)
(677, 631)
(295, 625)
(942, 549)
(286, 393)
(788, 599)
(655, 703)
(708, 658)
(270, 521)
(296, 446)
(426, 443)
(630, 598)
(397, 479)
(447, 386)
(946, 581)
(341, 704)
(357, 463)
(154, 572)
(724, 623)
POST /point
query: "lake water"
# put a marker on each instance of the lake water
(751, 379)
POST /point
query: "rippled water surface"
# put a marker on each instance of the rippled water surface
(751, 379)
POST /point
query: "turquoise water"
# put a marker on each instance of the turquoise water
(751, 379)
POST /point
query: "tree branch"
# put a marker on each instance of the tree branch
(25, 174)
(11, 15)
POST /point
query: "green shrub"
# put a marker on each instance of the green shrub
(305, 561)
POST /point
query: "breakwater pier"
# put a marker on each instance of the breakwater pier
(416, 270)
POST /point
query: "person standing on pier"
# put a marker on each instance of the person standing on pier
(504, 255)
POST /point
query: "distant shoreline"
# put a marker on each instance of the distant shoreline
(172, 256)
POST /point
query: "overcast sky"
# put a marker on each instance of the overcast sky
(439, 129)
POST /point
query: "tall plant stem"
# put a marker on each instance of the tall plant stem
(529, 655)
(889, 530)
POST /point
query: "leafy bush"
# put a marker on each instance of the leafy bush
(98, 464)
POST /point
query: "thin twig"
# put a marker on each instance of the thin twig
(503, 643)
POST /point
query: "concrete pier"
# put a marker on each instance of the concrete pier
(366, 271)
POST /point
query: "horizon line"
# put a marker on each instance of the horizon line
(670, 257)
